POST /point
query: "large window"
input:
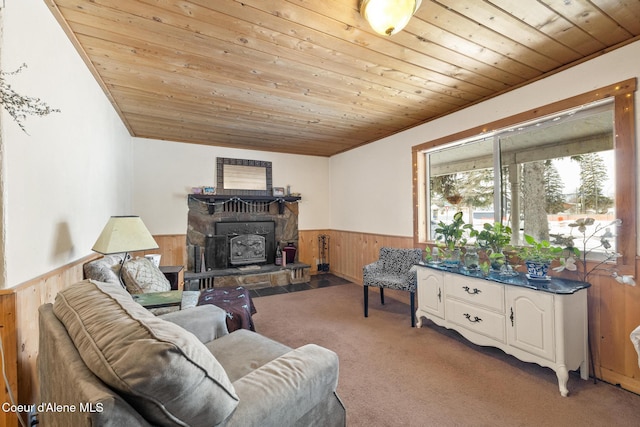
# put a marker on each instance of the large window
(536, 172)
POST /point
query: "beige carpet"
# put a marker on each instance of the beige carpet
(395, 375)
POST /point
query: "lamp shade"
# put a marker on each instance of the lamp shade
(124, 234)
(387, 17)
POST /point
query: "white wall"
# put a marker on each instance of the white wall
(72, 170)
(371, 185)
(165, 172)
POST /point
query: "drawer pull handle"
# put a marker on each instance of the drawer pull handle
(512, 317)
(475, 291)
(439, 295)
(476, 319)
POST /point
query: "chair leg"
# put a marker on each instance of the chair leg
(382, 296)
(413, 309)
(366, 301)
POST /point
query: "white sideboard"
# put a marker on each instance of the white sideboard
(539, 322)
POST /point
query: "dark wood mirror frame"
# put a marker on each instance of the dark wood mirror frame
(222, 188)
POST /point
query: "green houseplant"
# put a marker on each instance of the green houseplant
(452, 237)
(493, 238)
(538, 255)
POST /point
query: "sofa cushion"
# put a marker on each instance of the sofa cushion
(244, 351)
(140, 275)
(161, 369)
(105, 269)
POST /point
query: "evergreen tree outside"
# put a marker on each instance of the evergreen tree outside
(593, 173)
(553, 186)
(477, 188)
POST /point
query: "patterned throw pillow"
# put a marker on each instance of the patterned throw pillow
(140, 276)
(105, 269)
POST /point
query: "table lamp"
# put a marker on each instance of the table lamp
(124, 234)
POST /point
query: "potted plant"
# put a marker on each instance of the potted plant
(537, 256)
(493, 238)
(452, 236)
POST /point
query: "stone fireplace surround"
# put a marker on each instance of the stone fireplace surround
(213, 218)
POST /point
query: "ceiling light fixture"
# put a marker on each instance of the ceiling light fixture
(388, 17)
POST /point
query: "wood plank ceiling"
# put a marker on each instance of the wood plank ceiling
(310, 76)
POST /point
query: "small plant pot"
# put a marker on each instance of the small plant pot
(537, 269)
(452, 259)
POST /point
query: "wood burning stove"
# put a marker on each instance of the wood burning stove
(247, 249)
(241, 243)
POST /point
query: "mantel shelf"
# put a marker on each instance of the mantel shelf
(218, 198)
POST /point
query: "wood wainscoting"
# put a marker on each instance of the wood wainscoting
(613, 308)
(20, 331)
(348, 251)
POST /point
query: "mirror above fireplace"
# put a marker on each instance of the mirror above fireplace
(243, 177)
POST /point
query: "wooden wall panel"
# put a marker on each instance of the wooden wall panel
(173, 248)
(308, 248)
(613, 307)
(20, 329)
(614, 311)
(29, 296)
(351, 251)
(9, 347)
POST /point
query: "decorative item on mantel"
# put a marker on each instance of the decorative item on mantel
(206, 190)
(577, 259)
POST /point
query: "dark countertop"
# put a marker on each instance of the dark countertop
(554, 285)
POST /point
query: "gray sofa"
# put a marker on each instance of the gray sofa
(115, 364)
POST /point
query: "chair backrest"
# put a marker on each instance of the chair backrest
(399, 260)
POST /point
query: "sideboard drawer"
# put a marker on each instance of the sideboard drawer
(475, 291)
(475, 319)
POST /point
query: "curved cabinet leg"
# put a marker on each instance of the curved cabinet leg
(418, 321)
(584, 370)
(563, 377)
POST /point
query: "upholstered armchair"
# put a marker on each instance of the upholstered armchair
(394, 270)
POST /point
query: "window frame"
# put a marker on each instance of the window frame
(623, 94)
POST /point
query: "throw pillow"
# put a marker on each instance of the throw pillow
(162, 370)
(140, 276)
(105, 269)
